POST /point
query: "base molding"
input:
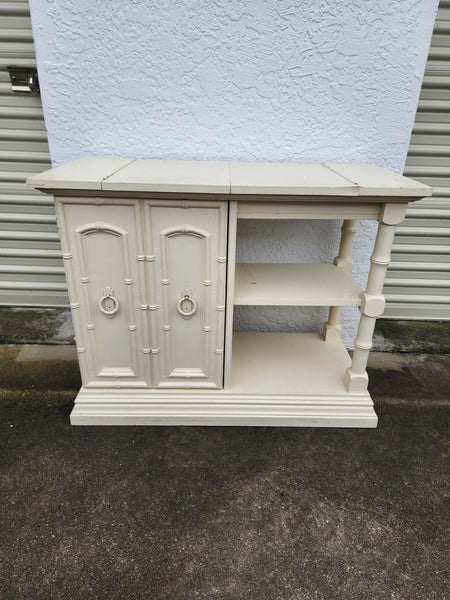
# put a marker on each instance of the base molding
(221, 407)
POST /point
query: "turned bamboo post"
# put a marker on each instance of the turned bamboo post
(332, 328)
(372, 300)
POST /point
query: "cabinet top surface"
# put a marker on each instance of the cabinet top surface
(238, 180)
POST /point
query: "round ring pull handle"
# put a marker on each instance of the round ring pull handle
(108, 304)
(186, 305)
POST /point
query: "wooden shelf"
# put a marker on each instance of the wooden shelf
(262, 284)
(288, 363)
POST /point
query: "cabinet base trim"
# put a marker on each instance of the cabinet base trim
(144, 407)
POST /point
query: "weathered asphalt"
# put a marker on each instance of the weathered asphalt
(197, 513)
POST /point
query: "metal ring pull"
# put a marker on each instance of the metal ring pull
(108, 303)
(186, 305)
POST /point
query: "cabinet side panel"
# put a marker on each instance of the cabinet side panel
(103, 243)
(187, 286)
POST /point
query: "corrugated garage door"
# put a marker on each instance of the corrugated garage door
(418, 282)
(31, 271)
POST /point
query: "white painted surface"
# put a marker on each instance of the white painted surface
(217, 407)
(372, 306)
(84, 173)
(100, 244)
(375, 181)
(288, 363)
(313, 82)
(172, 176)
(186, 250)
(288, 178)
(291, 241)
(295, 285)
(310, 210)
(278, 379)
(270, 378)
(251, 179)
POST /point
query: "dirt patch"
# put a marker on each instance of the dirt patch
(36, 326)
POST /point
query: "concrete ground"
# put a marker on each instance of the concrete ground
(186, 513)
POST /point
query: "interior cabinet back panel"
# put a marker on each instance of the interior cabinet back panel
(101, 249)
(186, 242)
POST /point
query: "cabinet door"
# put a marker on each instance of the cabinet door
(187, 277)
(103, 251)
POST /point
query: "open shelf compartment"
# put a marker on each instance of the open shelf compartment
(269, 284)
(288, 363)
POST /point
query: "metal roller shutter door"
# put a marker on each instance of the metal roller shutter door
(418, 280)
(31, 270)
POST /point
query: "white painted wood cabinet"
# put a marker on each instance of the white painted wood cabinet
(186, 247)
(149, 249)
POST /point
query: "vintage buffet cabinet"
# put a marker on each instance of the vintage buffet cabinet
(149, 253)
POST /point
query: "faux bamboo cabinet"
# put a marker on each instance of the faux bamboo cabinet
(149, 250)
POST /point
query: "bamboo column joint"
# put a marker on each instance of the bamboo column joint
(332, 328)
(372, 300)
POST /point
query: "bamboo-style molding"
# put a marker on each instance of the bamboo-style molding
(332, 328)
(372, 305)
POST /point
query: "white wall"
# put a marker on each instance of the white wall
(285, 80)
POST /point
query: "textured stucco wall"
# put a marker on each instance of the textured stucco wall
(241, 80)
